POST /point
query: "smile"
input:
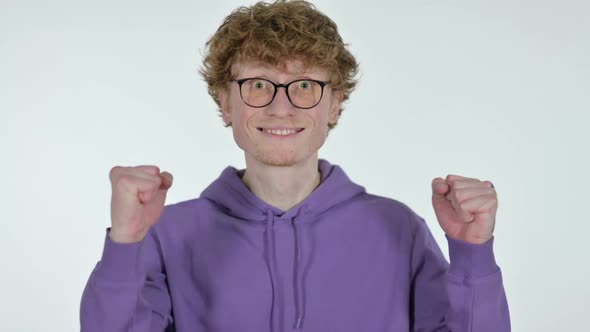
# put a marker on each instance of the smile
(280, 131)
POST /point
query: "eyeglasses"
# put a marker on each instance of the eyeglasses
(259, 92)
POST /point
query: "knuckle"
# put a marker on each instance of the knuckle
(459, 195)
(113, 171)
(462, 208)
(124, 181)
(148, 169)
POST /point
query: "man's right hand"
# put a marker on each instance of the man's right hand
(138, 197)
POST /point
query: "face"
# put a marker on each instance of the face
(279, 134)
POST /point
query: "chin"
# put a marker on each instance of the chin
(277, 158)
(279, 155)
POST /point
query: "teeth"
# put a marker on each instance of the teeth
(282, 132)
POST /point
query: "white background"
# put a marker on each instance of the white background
(497, 90)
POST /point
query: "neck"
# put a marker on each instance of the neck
(282, 186)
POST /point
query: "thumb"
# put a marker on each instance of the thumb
(167, 179)
(439, 188)
(165, 184)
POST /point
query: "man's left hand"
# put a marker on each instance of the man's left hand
(465, 207)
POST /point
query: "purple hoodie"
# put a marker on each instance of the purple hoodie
(341, 260)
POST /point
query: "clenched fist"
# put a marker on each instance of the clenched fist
(137, 201)
(465, 207)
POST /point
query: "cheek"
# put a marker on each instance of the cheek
(240, 132)
(244, 120)
(319, 128)
(320, 117)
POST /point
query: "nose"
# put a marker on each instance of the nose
(281, 106)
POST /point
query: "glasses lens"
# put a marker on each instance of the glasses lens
(305, 93)
(257, 92)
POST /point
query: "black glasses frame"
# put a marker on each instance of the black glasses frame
(277, 86)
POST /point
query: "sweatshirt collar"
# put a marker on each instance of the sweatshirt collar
(232, 194)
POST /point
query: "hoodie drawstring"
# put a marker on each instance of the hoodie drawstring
(270, 258)
(298, 267)
(297, 271)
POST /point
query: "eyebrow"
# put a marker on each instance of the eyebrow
(295, 79)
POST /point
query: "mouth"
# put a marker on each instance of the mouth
(281, 132)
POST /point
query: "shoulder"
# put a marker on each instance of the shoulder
(187, 208)
(390, 210)
(184, 215)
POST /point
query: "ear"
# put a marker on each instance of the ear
(224, 105)
(334, 114)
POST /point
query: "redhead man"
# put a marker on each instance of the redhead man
(290, 242)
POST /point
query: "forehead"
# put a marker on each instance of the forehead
(290, 69)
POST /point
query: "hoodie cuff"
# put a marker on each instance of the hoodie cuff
(119, 260)
(470, 260)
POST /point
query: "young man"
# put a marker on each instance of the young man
(290, 242)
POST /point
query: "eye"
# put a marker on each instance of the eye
(304, 85)
(259, 84)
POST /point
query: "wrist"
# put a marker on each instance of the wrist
(119, 261)
(471, 260)
(121, 237)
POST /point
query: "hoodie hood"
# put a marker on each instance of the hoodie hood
(231, 194)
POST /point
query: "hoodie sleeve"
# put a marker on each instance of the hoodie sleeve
(466, 295)
(127, 289)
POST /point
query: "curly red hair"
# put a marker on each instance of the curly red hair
(272, 33)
